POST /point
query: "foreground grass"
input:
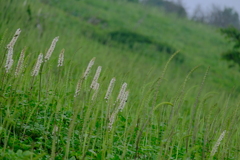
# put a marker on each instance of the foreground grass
(49, 115)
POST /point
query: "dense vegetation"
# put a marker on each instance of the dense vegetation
(173, 97)
(233, 36)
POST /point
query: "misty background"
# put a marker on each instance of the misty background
(206, 5)
(218, 13)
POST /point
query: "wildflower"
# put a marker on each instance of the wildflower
(122, 91)
(91, 63)
(110, 88)
(79, 84)
(214, 150)
(112, 119)
(20, 63)
(38, 65)
(95, 79)
(96, 87)
(61, 58)
(50, 50)
(9, 61)
(14, 39)
(123, 101)
(120, 108)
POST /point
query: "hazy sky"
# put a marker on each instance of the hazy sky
(190, 5)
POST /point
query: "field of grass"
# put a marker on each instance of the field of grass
(172, 98)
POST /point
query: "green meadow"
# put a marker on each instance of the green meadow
(90, 79)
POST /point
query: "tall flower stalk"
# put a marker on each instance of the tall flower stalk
(90, 64)
(37, 67)
(20, 63)
(85, 75)
(122, 97)
(36, 71)
(61, 58)
(110, 88)
(123, 101)
(214, 150)
(96, 88)
(95, 79)
(14, 39)
(50, 50)
(122, 91)
(9, 61)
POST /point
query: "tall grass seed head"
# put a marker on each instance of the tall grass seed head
(90, 64)
(123, 101)
(122, 91)
(20, 63)
(214, 150)
(9, 61)
(61, 58)
(14, 39)
(78, 87)
(38, 65)
(112, 119)
(50, 50)
(96, 88)
(110, 88)
(95, 79)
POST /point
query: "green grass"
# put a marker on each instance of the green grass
(175, 110)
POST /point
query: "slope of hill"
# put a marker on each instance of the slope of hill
(133, 43)
(104, 22)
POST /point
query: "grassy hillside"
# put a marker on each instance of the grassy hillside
(173, 111)
(198, 44)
